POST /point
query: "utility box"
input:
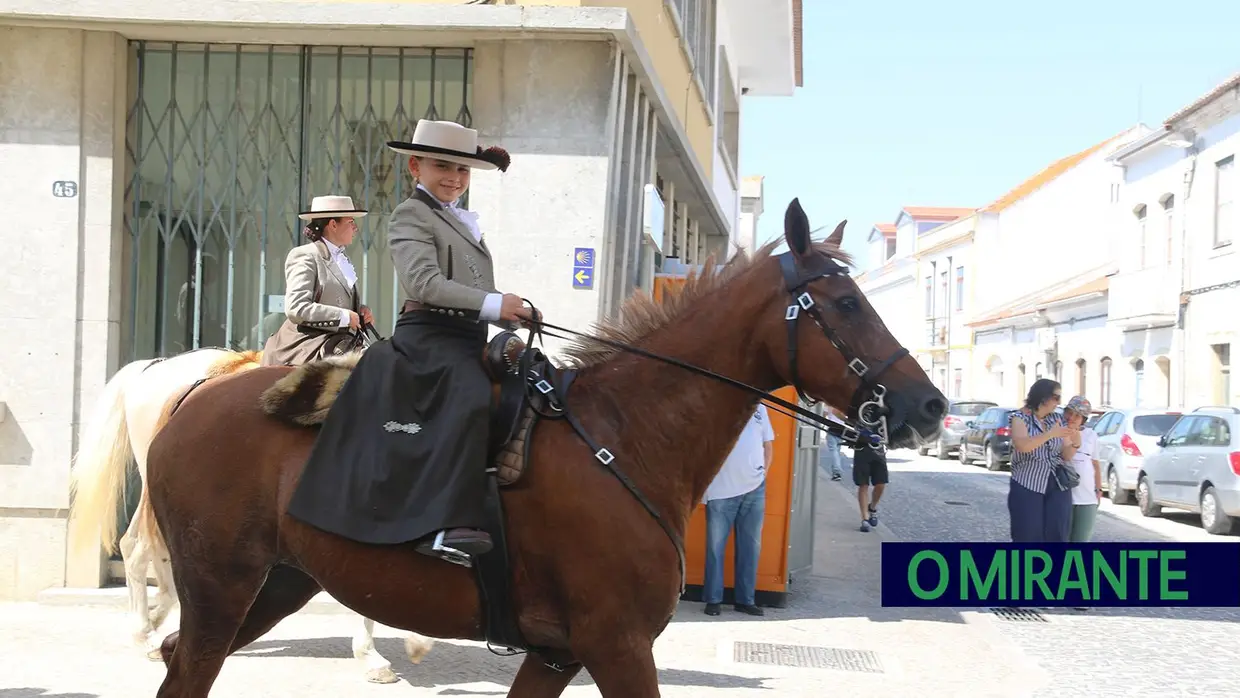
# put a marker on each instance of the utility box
(788, 528)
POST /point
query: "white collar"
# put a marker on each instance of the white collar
(452, 205)
(333, 248)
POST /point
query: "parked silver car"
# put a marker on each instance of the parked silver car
(959, 413)
(1126, 437)
(1197, 470)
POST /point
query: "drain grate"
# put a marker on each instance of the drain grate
(956, 504)
(807, 657)
(1023, 615)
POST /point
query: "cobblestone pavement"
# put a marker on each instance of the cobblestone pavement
(851, 645)
(854, 646)
(1102, 652)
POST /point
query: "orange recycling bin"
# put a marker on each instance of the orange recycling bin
(787, 529)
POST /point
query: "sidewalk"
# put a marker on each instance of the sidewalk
(922, 652)
(843, 643)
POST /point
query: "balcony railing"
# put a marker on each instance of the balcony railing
(936, 332)
(1146, 297)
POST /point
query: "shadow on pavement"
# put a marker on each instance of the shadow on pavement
(449, 664)
(40, 693)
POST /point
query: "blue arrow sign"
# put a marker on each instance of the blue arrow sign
(583, 277)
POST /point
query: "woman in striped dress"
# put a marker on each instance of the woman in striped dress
(1040, 510)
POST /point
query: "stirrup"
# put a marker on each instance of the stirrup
(446, 552)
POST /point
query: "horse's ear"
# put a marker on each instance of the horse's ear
(796, 228)
(837, 238)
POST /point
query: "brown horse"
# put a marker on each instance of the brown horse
(595, 579)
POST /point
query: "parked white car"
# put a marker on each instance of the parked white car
(1126, 437)
(1197, 469)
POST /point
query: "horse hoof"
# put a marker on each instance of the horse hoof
(382, 675)
(417, 648)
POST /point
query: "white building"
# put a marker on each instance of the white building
(890, 282)
(1178, 287)
(1042, 289)
(153, 144)
(751, 194)
(945, 267)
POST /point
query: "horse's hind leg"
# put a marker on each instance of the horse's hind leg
(378, 668)
(537, 680)
(284, 593)
(135, 554)
(214, 604)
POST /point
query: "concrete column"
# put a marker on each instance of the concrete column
(61, 114)
(552, 121)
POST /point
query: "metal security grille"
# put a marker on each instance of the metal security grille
(225, 144)
(806, 657)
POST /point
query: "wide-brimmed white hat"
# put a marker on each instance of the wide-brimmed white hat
(331, 207)
(450, 141)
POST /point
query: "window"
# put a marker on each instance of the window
(1210, 431)
(1059, 373)
(1080, 376)
(1139, 212)
(1222, 373)
(929, 297)
(1104, 392)
(1168, 204)
(1104, 425)
(943, 290)
(697, 30)
(891, 249)
(957, 382)
(959, 288)
(1020, 382)
(1037, 371)
(1224, 193)
(1138, 377)
(1178, 436)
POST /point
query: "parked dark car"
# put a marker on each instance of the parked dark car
(989, 438)
(959, 412)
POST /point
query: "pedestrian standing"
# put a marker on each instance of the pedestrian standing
(1088, 492)
(736, 500)
(1039, 506)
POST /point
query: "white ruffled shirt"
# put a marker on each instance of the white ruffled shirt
(346, 267)
(491, 305)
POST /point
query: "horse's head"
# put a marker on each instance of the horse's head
(825, 339)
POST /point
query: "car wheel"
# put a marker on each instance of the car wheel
(992, 460)
(1144, 500)
(942, 452)
(1213, 519)
(963, 454)
(1117, 494)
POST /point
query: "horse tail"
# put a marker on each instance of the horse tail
(99, 468)
(235, 362)
(148, 526)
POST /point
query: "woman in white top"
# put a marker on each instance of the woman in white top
(1087, 494)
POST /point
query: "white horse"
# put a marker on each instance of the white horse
(124, 422)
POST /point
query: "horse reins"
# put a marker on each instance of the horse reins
(870, 409)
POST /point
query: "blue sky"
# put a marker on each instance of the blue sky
(953, 103)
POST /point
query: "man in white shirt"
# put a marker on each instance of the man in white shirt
(736, 499)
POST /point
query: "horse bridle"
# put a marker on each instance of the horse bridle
(868, 403)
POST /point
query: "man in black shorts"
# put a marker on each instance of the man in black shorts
(869, 468)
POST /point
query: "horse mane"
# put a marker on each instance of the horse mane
(641, 316)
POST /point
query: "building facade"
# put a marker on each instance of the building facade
(1049, 320)
(890, 282)
(1178, 285)
(163, 151)
(944, 268)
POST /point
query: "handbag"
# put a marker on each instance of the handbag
(1065, 476)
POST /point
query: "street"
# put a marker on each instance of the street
(71, 647)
